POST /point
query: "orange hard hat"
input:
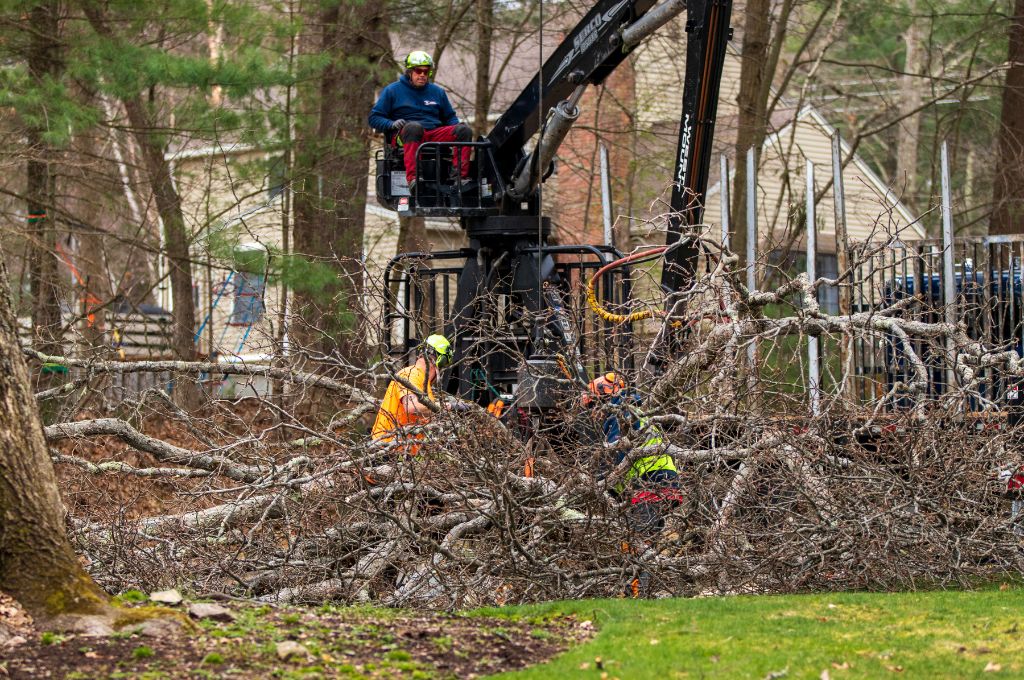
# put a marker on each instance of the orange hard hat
(607, 384)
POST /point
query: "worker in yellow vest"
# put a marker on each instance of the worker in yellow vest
(652, 480)
(401, 408)
(647, 473)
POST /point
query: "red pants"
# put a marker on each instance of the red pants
(440, 134)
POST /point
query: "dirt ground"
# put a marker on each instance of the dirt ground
(277, 642)
(103, 497)
(327, 641)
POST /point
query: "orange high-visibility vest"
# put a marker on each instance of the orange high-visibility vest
(393, 414)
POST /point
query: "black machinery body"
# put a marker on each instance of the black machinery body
(511, 302)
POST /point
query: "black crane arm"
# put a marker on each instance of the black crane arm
(709, 32)
(587, 55)
(510, 272)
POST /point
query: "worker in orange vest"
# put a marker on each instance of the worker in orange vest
(604, 386)
(401, 407)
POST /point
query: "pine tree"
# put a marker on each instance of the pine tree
(151, 58)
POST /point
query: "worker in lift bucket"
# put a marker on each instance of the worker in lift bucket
(415, 110)
(401, 409)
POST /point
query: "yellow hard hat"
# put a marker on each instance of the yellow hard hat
(442, 349)
(419, 58)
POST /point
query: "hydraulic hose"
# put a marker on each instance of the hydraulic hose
(556, 127)
(612, 317)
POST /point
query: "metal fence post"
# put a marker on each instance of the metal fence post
(751, 237)
(813, 370)
(839, 205)
(606, 198)
(949, 282)
(842, 255)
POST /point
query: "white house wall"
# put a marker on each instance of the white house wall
(660, 65)
(219, 198)
(216, 195)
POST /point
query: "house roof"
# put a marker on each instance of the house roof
(875, 181)
(811, 114)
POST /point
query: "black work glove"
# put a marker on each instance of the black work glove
(458, 406)
(398, 124)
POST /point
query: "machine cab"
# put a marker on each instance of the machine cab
(438, 191)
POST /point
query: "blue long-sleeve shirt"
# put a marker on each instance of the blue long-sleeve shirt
(427, 105)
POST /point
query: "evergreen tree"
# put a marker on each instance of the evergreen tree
(151, 58)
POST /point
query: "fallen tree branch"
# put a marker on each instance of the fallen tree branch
(159, 449)
(198, 367)
(125, 468)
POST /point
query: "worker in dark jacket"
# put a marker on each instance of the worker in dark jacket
(417, 111)
(651, 483)
(624, 412)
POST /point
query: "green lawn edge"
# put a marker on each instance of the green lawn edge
(937, 634)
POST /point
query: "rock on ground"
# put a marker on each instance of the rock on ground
(14, 621)
(171, 597)
(289, 648)
(215, 612)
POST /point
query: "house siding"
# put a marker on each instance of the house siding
(221, 194)
(660, 69)
(227, 203)
(872, 212)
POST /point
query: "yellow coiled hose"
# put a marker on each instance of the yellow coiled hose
(612, 317)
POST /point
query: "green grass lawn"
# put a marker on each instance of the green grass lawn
(844, 635)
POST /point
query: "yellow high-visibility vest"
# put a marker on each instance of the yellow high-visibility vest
(653, 463)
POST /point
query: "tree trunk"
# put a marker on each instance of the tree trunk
(910, 101)
(176, 243)
(331, 172)
(176, 236)
(215, 45)
(37, 564)
(484, 33)
(753, 103)
(45, 65)
(1008, 190)
(412, 234)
